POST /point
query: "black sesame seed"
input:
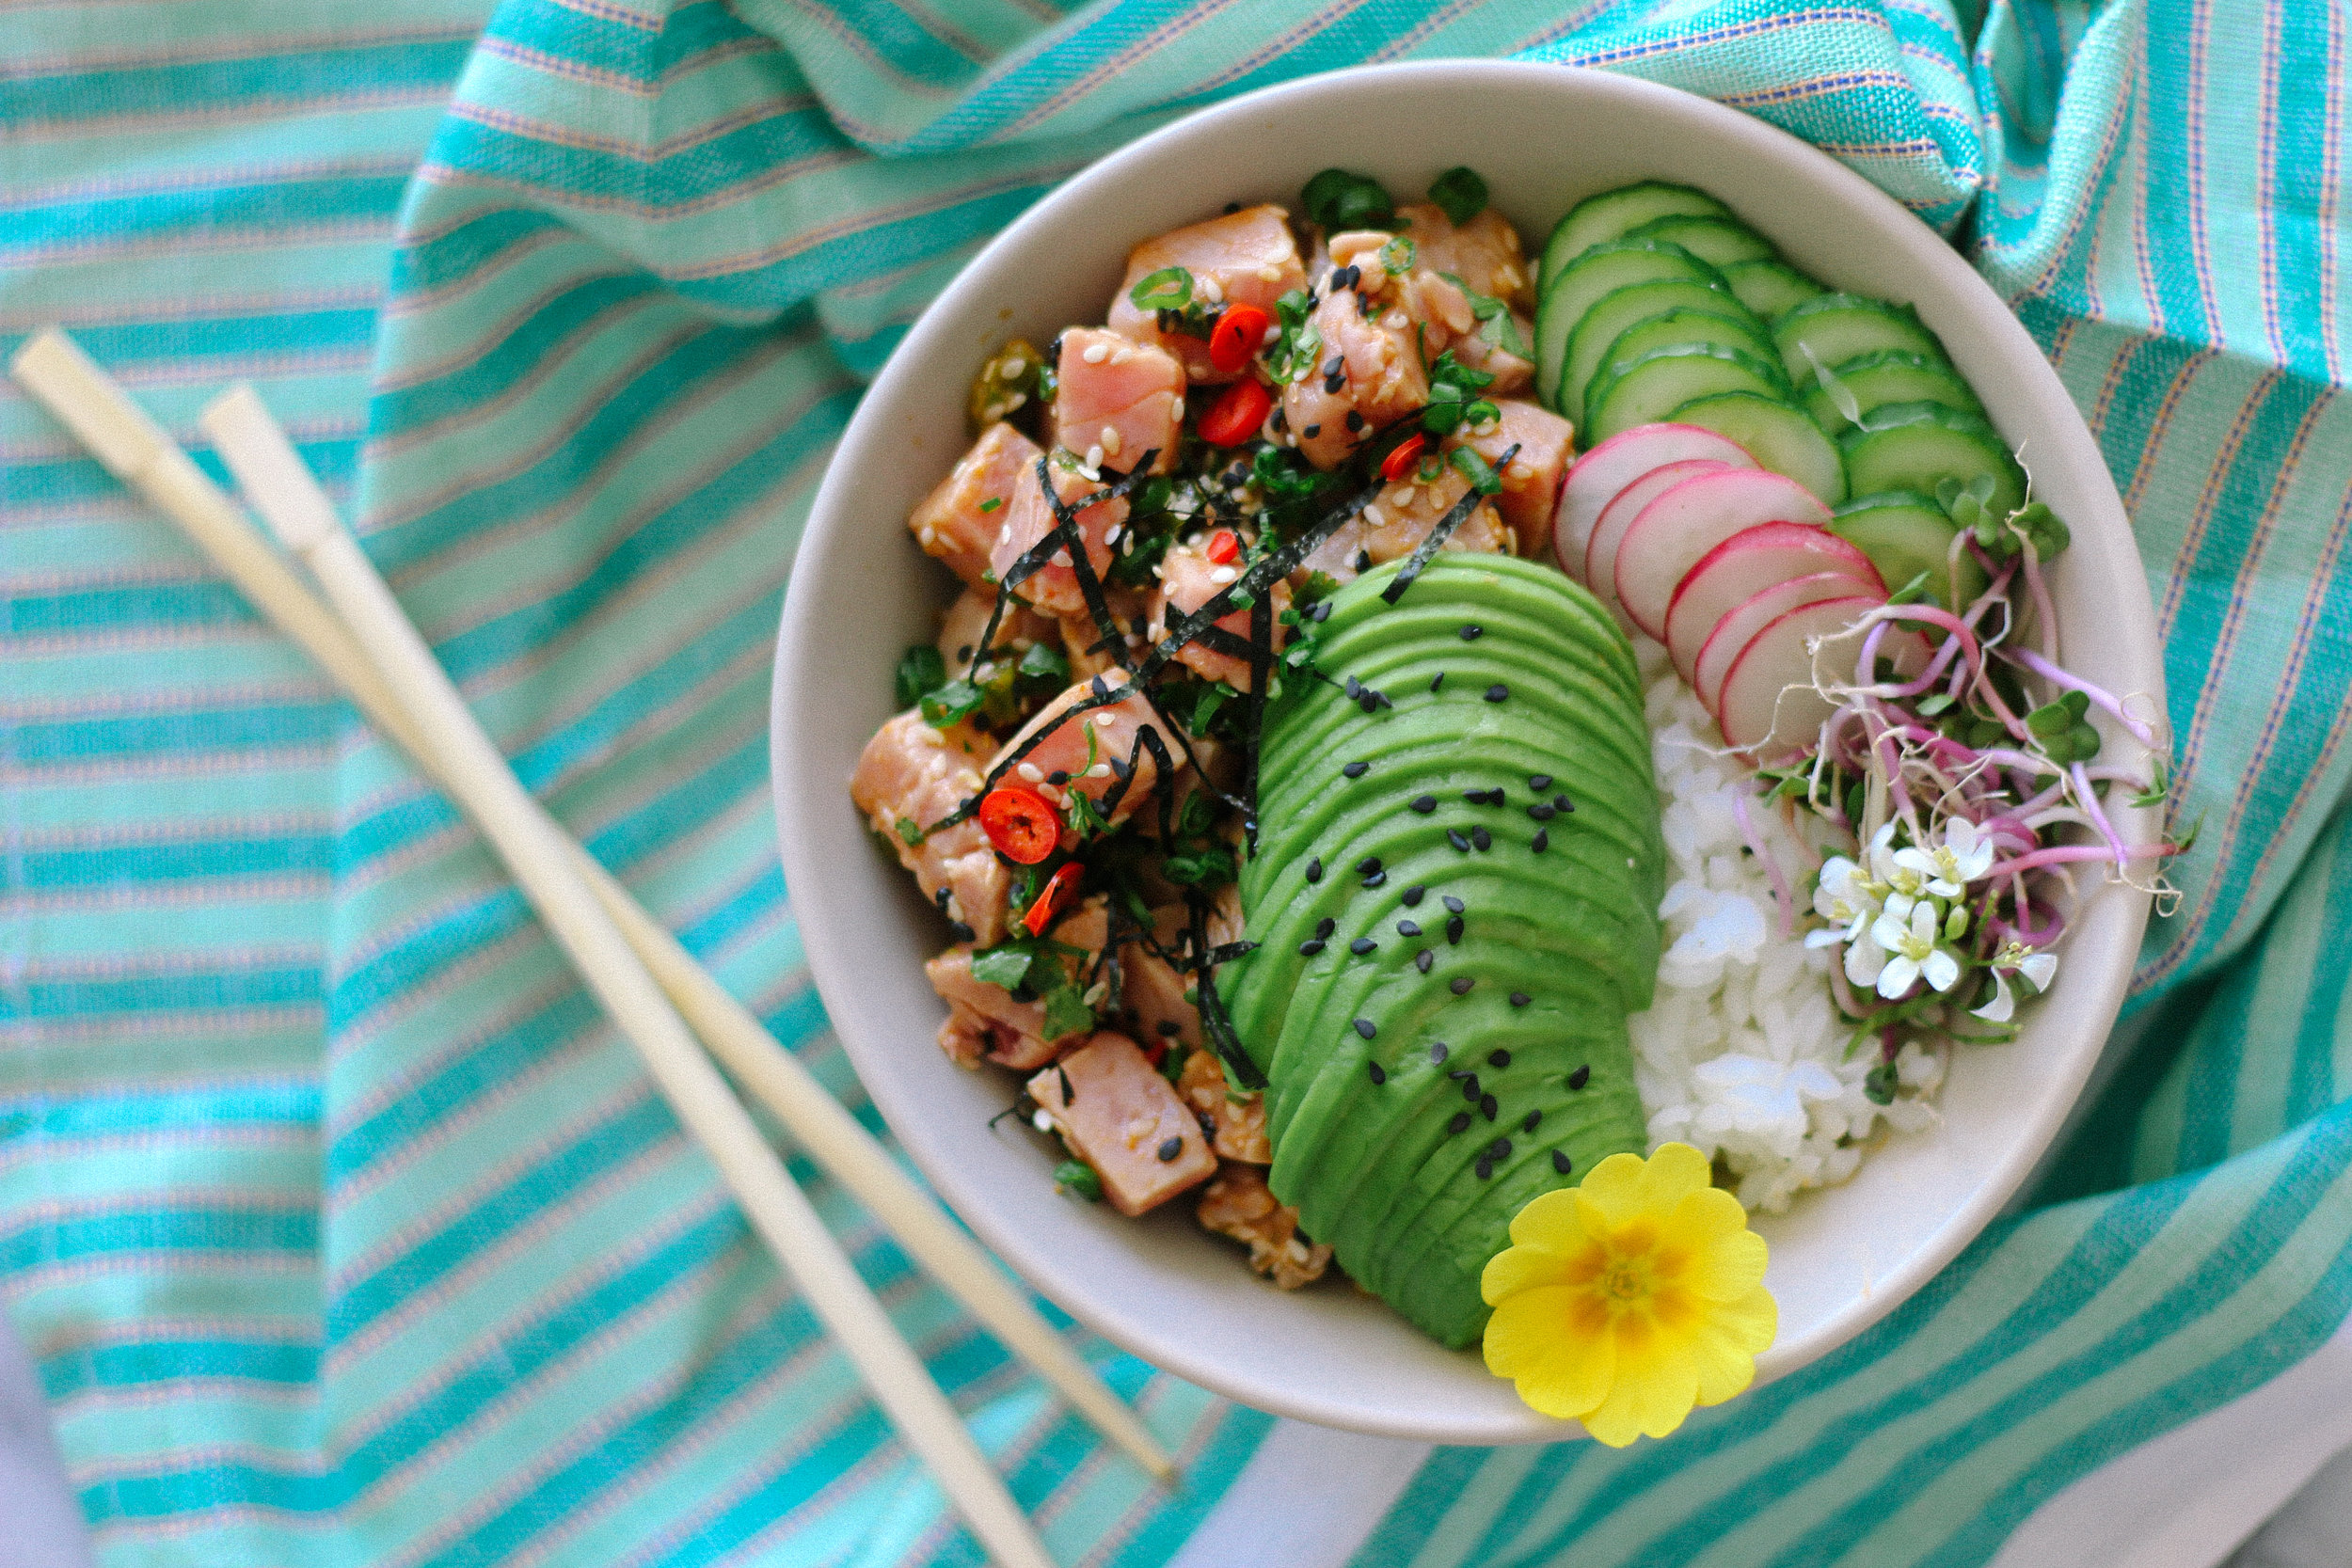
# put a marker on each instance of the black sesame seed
(1472, 632)
(1355, 421)
(1542, 841)
(961, 932)
(1453, 837)
(1058, 777)
(1376, 879)
(1459, 1124)
(1500, 1150)
(1581, 1077)
(1312, 431)
(1321, 611)
(1333, 381)
(1521, 999)
(1379, 1073)
(1408, 927)
(1369, 864)
(1560, 1162)
(1469, 1087)
(1168, 1028)
(1498, 1058)
(1353, 687)
(1453, 931)
(1325, 926)
(1437, 1051)
(1497, 692)
(1171, 1148)
(1532, 1120)
(1315, 869)
(1423, 959)
(1484, 839)
(1231, 207)
(1485, 1168)
(1539, 783)
(1354, 770)
(1457, 1074)
(1455, 905)
(1561, 803)
(1542, 813)
(1363, 945)
(1309, 948)
(1334, 365)
(1371, 702)
(1365, 1027)
(1487, 1106)
(1437, 680)
(1425, 803)
(1363, 562)
(1461, 987)
(1412, 896)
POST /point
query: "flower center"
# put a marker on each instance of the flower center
(1625, 1281)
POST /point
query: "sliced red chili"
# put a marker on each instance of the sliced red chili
(1400, 462)
(1236, 414)
(1155, 1052)
(1061, 888)
(1237, 337)
(1019, 823)
(1224, 548)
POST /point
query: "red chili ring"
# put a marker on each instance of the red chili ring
(1400, 462)
(1235, 338)
(1019, 823)
(1047, 908)
(1224, 548)
(1237, 412)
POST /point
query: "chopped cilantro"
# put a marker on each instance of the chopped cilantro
(1460, 194)
(920, 669)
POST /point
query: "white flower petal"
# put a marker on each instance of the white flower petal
(1942, 969)
(1889, 931)
(1999, 1010)
(1864, 960)
(1897, 978)
(2041, 969)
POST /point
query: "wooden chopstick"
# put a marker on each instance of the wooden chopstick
(476, 772)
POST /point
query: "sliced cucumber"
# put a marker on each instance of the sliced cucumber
(1912, 446)
(1717, 241)
(1770, 289)
(1777, 434)
(1646, 390)
(1876, 380)
(1836, 329)
(1613, 312)
(1603, 270)
(1905, 534)
(1672, 328)
(1609, 214)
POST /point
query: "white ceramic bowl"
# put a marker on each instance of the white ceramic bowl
(1543, 136)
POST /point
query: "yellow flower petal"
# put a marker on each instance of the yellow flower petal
(1726, 1258)
(1725, 1353)
(1548, 1219)
(1614, 1187)
(1672, 1171)
(1559, 1373)
(1523, 1267)
(1650, 1401)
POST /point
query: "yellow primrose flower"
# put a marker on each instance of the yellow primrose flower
(1625, 1300)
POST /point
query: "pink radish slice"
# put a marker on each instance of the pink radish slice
(1681, 525)
(1744, 565)
(1600, 554)
(1595, 479)
(1770, 706)
(1736, 629)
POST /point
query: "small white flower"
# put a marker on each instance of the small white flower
(2015, 958)
(1900, 870)
(1914, 950)
(2001, 1007)
(1964, 857)
(1844, 897)
(1865, 958)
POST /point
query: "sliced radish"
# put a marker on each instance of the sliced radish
(1596, 478)
(1601, 553)
(1745, 564)
(1738, 627)
(1770, 706)
(1681, 525)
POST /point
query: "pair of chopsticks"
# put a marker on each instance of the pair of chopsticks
(649, 983)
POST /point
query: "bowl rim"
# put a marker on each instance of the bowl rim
(832, 957)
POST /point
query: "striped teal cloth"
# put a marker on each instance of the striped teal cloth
(340, 1225)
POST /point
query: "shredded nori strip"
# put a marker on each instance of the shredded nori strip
(1426, 551)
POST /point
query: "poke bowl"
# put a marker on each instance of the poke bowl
(1854, 1222)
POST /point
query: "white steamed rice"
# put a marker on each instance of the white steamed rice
(1742, 1056)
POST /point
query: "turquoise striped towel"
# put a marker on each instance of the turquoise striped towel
(343, 1231)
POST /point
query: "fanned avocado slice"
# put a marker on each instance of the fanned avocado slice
(1557, 944)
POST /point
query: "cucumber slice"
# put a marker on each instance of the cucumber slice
(1838, 328)
(1609, 214)
(1770, 289)
(1603, 270)
(1905, 534)
(1913, 446)
(1646, 390)
(1876, 380)
(1717, 241)
(1777, 434)
(1695, 326)
(1613, 312)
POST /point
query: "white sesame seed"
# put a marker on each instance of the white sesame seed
(1373, 516)
(1100, 770)
(1211, 290)
(982, 671)
(1023, 644)
(1015, 400)
(1111, 442)
(1110, 535)
(1222, 575)
(1096, 353)
(1015, 367)
(1061, 557)
(1031, 771)
(1272, 333)
(1043, 1122)
(929, 536)
(1269, 273)
(1393, 321)
(1136, 642)
(1094, 458)
(1004, 534)
(1405, 497)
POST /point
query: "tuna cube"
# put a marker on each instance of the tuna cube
(1117, 400)
(1120, 1117)
(1052, 588)
(1245, 258)
(958, 522)
(910, 776)
(1092, 749)
(1188, 580)
(1531, 482)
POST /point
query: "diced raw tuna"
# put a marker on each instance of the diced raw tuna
(985, 1022)
(1402, 518)
(1369, 366)
(1152, 988)
(1531, 482)
(1245, 258)
(962, 623)
(1117, 400)
(1237, 1125)
(1484, 253)
(956, 522)
(1054, 587)
(1114, 729)
(1239, 1204)
(1189, 579)
(911, 773)
(1131, 607)
(1121, 1118)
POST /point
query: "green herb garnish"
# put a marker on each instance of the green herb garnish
(1460, 194)
(920, 668)
(1338, 200)
(1077, 1179)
